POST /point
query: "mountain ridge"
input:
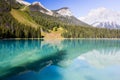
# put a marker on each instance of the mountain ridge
(103, 18)
(37, 6)
(63, 13)
(18, 21)
(23, 2)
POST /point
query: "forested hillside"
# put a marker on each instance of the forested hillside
(18, 23)
(10, 27)
(73, 31)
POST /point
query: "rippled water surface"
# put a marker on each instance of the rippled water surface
(69, 59)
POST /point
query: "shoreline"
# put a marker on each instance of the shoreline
(59, 38)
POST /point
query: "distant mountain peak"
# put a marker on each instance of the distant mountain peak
(23, 2)
(103, 18)
(37, 6)
(36, 3)
(65, 11)
(64, 8)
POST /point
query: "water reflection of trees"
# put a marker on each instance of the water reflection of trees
(90, 43)
(10, 48)
(96, 52)
(77, 47)
(86, 45)
(46, 54)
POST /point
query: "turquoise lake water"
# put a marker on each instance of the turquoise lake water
(69, 59)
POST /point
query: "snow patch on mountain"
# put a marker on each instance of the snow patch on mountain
(103, 18)
(37, 6)
(23, 2)
(64, 11)
(38, 3)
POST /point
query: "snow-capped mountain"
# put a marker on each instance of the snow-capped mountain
(64, 14)
(23, 2)
(65, 11)
(37, 6)
(103, 18)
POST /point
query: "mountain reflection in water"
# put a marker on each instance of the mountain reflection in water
(58, 59)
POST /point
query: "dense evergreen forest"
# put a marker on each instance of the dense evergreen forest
(73, 31)
(85, 32)
(11, 28)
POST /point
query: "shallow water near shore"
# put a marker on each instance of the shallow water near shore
(68, 59)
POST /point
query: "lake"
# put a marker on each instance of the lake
(69, 59)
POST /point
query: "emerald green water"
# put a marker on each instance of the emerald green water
(69, 59)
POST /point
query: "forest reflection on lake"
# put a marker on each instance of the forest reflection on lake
(69, 59)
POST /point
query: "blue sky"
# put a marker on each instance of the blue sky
(80, 7)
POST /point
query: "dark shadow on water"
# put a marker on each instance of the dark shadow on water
(37, 65)
(49, 72)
